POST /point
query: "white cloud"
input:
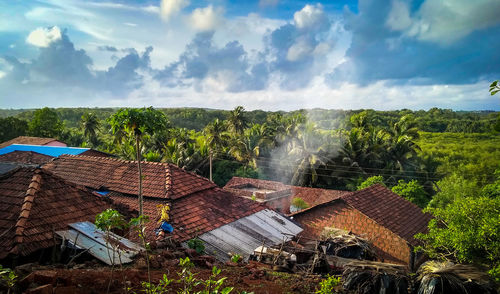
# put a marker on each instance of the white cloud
(42, 37)
(399, 16)
(311, 16)
(299, 50)
(170, 8)
(444, 21)
(2, 74)
(206, 19)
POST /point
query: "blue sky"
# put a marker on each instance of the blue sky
(262, 54)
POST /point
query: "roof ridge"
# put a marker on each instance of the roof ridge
(29, 198)
(168, 181)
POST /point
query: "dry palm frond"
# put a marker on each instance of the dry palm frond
(446, 277)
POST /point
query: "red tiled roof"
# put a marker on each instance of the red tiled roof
(160, 180)
(28, 141)
(34, 203)
(196, 214)
(25, 157)
(390, 210)
(312, 196)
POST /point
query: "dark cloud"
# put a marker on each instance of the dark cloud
(107, 48)
(60, 65)
(407, 55)
(203, 59)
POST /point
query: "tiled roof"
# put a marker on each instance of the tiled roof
(28, 141)
(25, 157)
(160, 180)
(312, 196)
(34, 203)
(199, 213)
(390, 210)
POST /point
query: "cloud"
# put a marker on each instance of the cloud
(206, 19)
(446, 21)
(107, 48)
(170, 8)
(204, 65)
(42, 37)
(311, 17)
(383, 49)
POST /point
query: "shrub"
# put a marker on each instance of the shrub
(327, 286)
(197, 245)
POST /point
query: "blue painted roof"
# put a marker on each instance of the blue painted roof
(54, 151)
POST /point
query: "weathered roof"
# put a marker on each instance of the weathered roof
(196, 214)
(34, 203)
(160, 180)
(390, 210)
(25, 157)
(242, 236)
(312, 196)
(28, 141)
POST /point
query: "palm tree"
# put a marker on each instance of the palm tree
(237, 120)
(135, 122)
(216, 137)
(247, 147)
(90, 125)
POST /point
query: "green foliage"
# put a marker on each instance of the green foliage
(412, 191)
(473, 157)
(494, 88)
(327, 286)
(299, 203)
(137, 121)
(466, 230)
(45, 123)
(451, 188)
(160, 288)
(371, 181)
(12, 127)
(236, 258)
(8, 278)
(197, 245)
(110, 219)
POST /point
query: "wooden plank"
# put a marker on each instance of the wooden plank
(97, 250)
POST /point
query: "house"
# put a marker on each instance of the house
(25, 140)
(25, 157)
(279, 196)
(376, 213)
(34, 203)
(52, 151)
(198, 207)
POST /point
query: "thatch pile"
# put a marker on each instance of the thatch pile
(366, 277)
(345, 244)
(436, 277)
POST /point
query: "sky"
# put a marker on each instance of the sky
(261, 54)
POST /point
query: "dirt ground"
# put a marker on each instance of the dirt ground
(88, 278)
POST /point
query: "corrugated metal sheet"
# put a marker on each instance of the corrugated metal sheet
(87, 236)
(244, 235)
(54, 151)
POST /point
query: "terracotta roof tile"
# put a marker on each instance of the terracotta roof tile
(160, 180)
(312, 196)
(196, 214)
(28, 141)
(391, 211)
(34, 203)
(25, 157)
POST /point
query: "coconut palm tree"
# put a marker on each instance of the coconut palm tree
(216, 137)
(237, 120)
(90, 125)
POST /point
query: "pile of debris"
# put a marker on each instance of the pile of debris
(364, 277)
(345, 244)
(436, 277)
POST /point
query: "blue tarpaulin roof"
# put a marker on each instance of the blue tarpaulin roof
(54, 151)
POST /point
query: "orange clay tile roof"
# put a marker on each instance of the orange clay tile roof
(25, 157)
(160, 180)
(34, 203)
(390, 210)
(312, 196)
(196, 214)
(28, 141)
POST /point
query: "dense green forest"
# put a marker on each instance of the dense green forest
(444, 161)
